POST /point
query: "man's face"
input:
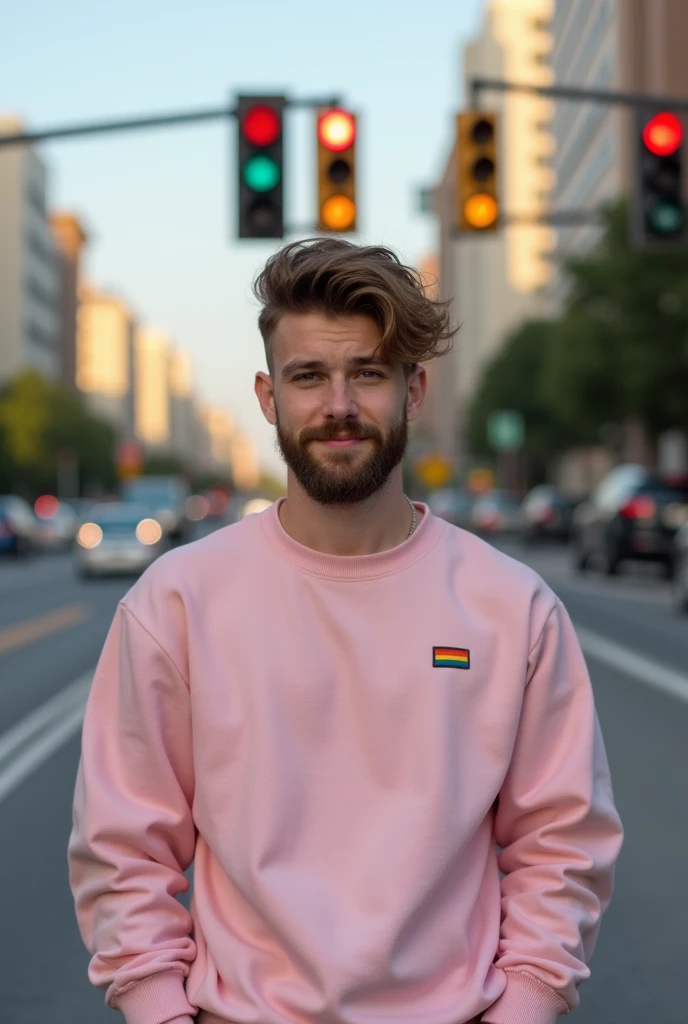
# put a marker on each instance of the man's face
(341, 414)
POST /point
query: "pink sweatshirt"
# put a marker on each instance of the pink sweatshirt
(352, 751)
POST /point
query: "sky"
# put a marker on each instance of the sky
(159, 205)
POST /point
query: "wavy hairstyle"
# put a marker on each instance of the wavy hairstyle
(337, 278)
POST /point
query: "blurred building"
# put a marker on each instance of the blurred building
(220, 431)
(69, 237)
(181, 402)
(245, 464)
(496, 280)
(633, 45)
(104, 357)
(203, 456)
(152, 390)
(29, 290)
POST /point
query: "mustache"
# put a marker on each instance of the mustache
(339, 432)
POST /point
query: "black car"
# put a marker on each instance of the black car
(633, 514)
(545, 515)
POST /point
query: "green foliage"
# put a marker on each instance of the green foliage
(39, 419)
(162, 464)
(514, 380)
(620, 349)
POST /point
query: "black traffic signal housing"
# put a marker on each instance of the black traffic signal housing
(260, 161)
(477, 198)
(336, 171)
(658, 207)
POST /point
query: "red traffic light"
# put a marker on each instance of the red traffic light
(662, 134)
(336, 130)
(261, 125)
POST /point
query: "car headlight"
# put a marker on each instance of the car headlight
(89, 535)
(148, 531)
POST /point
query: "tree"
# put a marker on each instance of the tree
(514, 380)
(635, 304)
(39, 419)
(619, 350)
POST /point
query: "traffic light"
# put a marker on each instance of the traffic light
(477, 201)
(261, 166)
(659, 209)
(336, 142)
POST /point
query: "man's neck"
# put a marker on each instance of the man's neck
(365, 528)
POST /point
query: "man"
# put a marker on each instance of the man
(373, 734)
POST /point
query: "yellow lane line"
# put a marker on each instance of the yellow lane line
(34, 629)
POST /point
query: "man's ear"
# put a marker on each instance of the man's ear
(265, 394)
(416, 388)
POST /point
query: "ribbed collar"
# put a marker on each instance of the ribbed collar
(351, 567)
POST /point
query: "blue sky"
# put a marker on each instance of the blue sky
(159, 204)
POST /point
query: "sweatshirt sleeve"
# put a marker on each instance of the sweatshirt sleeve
(133, 834)
(559, 834)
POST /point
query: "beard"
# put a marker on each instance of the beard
(345, 476)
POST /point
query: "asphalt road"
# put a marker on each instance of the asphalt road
(52, 627)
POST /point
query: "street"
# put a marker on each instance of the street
(52, 627)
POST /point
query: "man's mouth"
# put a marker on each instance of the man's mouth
(342, 442)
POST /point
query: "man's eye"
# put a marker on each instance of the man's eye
(371, 373)
(307, 377)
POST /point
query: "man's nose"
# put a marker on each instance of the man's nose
(340, 401)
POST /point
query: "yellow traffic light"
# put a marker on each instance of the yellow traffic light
(477, 201)
(336, 143)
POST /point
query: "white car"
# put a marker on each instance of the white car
(119, 537)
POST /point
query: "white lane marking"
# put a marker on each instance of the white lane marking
(30, 743)
(39, 751)
(637, 666)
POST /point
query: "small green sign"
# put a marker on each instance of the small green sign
(505, 430)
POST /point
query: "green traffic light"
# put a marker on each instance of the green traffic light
(666, 217)
(261, 173)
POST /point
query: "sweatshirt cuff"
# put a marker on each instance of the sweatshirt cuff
(157, 999)
(525, 1000)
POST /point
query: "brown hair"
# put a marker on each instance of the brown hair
(337, 278)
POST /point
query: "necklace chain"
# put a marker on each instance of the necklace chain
(414, 516)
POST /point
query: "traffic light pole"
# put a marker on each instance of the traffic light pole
(171, 120)
(636, 100)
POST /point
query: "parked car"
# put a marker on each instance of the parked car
(56, 526)
(17, 526)
(680, 569)
(633, 514)
(119, 537)
(545, 514)
(494, 512)
(166, 496)
(452, 504)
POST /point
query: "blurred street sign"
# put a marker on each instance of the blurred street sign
(129, 460)
(505, 430)
(434, 470)
(480, 480)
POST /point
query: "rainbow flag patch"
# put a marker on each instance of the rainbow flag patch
(451, 657)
